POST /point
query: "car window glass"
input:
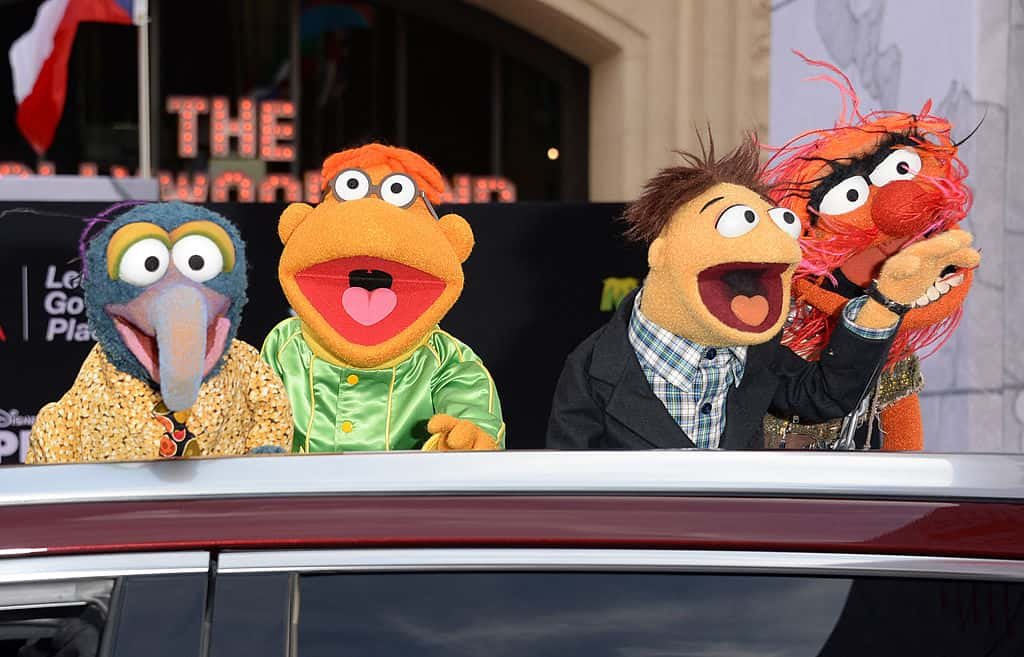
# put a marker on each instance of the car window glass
(159, 616)
(615, 614)
(53, 618)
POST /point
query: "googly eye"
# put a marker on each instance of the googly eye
(903, 164)
(787, 220)
(351, 185)
(737, 220)
(144, 262)
(197, 257)
(845, 197)
(398, 189)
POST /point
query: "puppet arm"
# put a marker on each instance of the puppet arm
(831, 387)
(468, 411)
(901, 423)
(57, 431)
(268, 403)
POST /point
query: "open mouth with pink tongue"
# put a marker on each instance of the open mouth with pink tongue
(144, 345)
(746, 296)
(368, 300)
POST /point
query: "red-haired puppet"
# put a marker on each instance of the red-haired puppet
(867, 188)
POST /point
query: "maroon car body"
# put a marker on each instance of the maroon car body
(880, 527)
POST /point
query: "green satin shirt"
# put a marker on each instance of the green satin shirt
(339, 409)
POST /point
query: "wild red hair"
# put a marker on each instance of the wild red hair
(794, 171)
(426, 176)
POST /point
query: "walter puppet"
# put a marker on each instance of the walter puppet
(693, 358)
(868, 187)
(164, 288)
(370, 272)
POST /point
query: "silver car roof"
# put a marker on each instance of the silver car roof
(683, 472)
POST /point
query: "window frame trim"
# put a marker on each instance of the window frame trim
(27, 570)
(46, 605)
(747, 562)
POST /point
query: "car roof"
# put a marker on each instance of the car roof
(676, 472)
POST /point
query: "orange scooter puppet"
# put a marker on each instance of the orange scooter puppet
(867, 188)
(370, 271)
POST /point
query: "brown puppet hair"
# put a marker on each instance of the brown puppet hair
(674, 187)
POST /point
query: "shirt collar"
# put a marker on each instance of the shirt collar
(675, 358)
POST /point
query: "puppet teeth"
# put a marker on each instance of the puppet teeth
(937, 290)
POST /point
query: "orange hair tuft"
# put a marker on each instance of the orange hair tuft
(426, 176)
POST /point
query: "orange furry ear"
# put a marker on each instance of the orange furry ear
(654, 253)
(459, 234)
(292, 216)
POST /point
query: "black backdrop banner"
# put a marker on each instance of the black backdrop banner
(541, 278)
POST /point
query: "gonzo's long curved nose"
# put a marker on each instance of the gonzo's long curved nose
(180, 318)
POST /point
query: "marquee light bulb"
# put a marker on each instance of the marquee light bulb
(274, 130)
(290, 186)
(190, 189)
(233, 179)
(188, 109)
(14, 169)
(223, 127)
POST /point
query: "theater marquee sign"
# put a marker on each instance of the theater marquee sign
(259, 132)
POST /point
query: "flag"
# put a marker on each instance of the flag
(39, 61)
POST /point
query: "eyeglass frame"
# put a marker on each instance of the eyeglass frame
(374, 188)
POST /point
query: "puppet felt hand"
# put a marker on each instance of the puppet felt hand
(450, 435)
(268, 449)
(908, 274)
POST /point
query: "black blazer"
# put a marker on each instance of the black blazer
(603, 399)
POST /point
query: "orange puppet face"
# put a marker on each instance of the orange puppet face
(867, 191)
(371, 269)
(724, 263)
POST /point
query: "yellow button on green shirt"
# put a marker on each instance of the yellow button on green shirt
(339, 409)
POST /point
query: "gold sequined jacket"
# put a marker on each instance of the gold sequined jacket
(108, 415)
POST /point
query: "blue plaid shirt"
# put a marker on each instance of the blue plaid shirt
(692, 380)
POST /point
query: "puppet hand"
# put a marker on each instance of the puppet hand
(449, 434)
(909, 273)
(268, 449)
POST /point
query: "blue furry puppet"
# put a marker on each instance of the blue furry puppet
(164, 288)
